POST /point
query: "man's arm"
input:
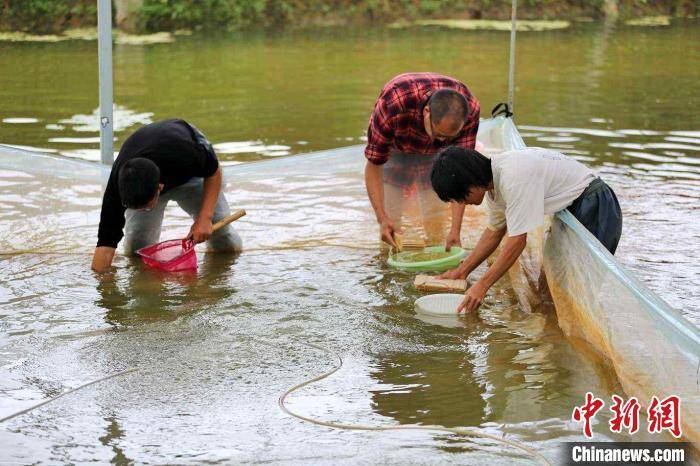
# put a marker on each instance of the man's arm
(466, 140)
(111, 228)
(512, 248)
(488, 242)
(102, 259)
(453, 237)
(202, 228)
(375, 192)
(380, 135)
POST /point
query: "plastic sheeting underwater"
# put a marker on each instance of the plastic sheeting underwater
(653, 349)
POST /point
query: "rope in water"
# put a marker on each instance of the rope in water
(282, 404)
(73, 390)
(453, 430)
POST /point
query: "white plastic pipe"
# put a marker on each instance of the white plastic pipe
(511, 66)
(104, 45)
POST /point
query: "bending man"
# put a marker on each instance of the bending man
(163, 161)
(521, 187)
(415, 116)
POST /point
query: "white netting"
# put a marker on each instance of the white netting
(52, 205)
(653, 349)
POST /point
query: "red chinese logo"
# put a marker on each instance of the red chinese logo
(625, 415)
(587, 412)
(665, 415)
(662, 415)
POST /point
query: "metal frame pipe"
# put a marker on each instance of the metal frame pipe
(104, 44)
(511, 66)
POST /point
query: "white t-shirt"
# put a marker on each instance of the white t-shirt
(531, 183)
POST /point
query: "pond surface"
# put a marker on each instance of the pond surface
(216, 349)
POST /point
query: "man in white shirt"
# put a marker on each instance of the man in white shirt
(520, 187)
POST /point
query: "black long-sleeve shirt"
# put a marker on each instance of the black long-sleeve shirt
(179, 150)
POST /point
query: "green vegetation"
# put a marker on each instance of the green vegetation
(223, 14)
(47, 16)
(55, 16)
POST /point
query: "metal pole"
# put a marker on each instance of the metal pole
(104, 45)
(511, 69)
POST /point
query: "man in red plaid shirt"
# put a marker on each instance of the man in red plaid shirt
(415, 116)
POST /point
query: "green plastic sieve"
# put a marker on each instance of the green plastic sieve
(430, 259)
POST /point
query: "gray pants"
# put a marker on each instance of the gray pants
(143, 227)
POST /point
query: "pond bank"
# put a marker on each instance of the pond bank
(143, 16)
(125, 38)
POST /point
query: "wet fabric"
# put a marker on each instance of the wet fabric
(179, 150)
(599, 211)
(143, 227)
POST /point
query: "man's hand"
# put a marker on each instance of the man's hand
(472, 298)
(454, 274)
(388, 229)
(201, 230)
(452, 239)
(102, 259)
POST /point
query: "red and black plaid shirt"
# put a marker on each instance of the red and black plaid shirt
(397, 120)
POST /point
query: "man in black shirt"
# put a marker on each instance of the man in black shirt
(163, 161)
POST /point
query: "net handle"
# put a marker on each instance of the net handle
(230, 219)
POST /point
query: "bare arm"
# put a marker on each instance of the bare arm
(512, 248)
(375, 189)
(453, 237)
(488, 242)
(212, 187)
(375, 192)
(102, 259)
(202, 228)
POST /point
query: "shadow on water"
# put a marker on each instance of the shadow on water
(498, 366)
(149, 295)
(113, 434)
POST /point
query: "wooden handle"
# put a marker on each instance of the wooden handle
(226, 220)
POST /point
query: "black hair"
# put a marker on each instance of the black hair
(456, 170)
(448, 103)
(138, 182)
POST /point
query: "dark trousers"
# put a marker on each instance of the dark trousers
(598, 210)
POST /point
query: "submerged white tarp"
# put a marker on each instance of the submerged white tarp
(652, 348)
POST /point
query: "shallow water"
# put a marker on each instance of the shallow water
(215, 349)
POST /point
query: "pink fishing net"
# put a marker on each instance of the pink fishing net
(172, 256)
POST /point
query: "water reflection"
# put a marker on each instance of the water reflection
(503, 367)
(144, 294)
(113, 434)
(435, 389)
(251, 87)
